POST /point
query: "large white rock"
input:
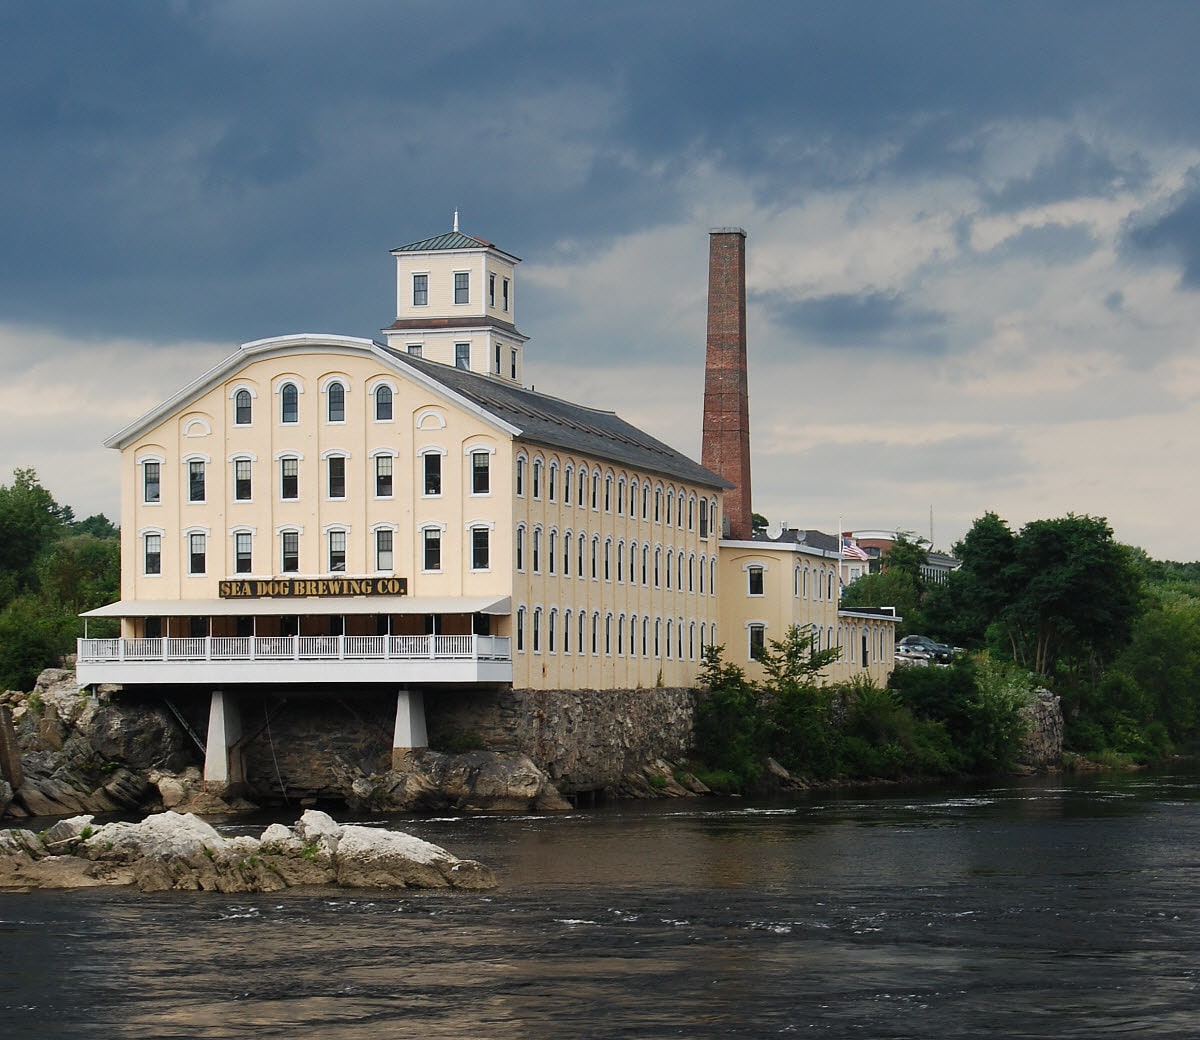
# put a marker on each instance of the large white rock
(167, 835)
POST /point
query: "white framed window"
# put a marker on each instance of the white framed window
(384, 488)
(243, 487)
(152, 481)
(336, 540)
(431, 473)
(420, 287)
(481, 472)
(335, 402)
(504, 299)
(520, 547)
(289, 478)
(536, 478)
(462, 287)
(384, 548)
(289, 403)
(520, 476)
(756, 632)
(481, 543)
(197, 552)
(336, 476)
(152, 553)
(289, 551)
(462, 356)
(243, 407)
(196, 477)
(520, 630)
(755, 585)
(431, 541)
(383, 403)
(243, 552)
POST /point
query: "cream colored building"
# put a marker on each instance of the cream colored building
(324, 509)
(406, 515)
(767, 586)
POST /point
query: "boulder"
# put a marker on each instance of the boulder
(179, 851)
(477, 780)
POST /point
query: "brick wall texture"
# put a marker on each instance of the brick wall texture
(726, 431)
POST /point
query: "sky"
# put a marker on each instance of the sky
(973, 230)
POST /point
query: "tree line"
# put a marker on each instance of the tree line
(52, 567)
(1114, 633)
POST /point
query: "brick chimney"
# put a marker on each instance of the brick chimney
(725, 445)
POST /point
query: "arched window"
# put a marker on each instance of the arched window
(551, 624)
(336, 402)
(383, 404)
(669, 623)
(289, 403)
(552, 550)
(670, 557)
(242, 408)
(520, 629)
(537, 630)
(551, 489)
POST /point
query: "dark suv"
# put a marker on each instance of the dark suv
(924, 645)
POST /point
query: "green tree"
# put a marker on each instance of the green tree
(80, 572)
(30, 520)
(1074, 595)
(973, 597)
(890, 588)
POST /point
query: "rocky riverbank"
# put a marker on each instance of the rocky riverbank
(182, 852)
(65, 753)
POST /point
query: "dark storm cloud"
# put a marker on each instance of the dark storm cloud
(1171, 234)
(225, 165)
(861, 321)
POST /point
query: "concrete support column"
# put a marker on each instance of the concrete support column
(410, 725)
(224, 773)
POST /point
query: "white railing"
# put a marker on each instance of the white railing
(297, 648)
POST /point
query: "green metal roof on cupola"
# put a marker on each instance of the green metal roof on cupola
(450, 241)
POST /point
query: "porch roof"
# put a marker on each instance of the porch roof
(304, 606)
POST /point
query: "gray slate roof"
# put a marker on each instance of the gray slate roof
(555, 423)
(449, 240)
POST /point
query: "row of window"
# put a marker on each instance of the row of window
(478, 549)
(860, 644)
(605, 564)
(462, 289)
(823, 581)
(609, 492)
(289, 404)
(335, 477)
(610, 634)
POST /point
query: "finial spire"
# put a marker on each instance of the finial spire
(456, 219)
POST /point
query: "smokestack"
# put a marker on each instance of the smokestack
(725, 445)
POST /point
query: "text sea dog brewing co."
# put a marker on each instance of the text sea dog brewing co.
(279, 588)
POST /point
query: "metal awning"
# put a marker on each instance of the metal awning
(304, 606)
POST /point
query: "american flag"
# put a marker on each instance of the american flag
(852, 552)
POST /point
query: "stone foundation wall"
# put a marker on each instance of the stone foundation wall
(586, 740)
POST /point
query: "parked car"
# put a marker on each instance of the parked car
(924, 645)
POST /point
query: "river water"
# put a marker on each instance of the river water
(1043, 907)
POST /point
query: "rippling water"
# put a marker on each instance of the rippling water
(1042, 908)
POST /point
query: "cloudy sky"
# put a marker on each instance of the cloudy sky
(973, 229)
